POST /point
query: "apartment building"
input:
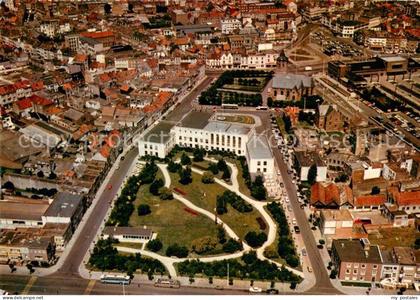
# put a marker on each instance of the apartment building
(356, 260)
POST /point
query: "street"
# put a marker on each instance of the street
(67, 279)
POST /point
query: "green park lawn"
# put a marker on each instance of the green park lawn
(170, 220)
(204, 196)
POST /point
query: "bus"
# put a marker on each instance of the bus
(115, 279)
(262, 107)
(168, 283)
(229, 106)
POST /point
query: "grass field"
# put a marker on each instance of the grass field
(392, 237)
(204, 196)
(170, 220)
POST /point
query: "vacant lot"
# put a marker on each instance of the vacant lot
(204, 196)
(394, 237)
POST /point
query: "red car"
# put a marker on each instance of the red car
(109, 187)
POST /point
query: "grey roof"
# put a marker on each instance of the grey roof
(111, 230)
(258, 147)
(291, 81)
(196, 119)
(158, 134)
(307, 159)
(393, 59)
(64, 205)
(237, 129)
(352, 251)
(216, 127)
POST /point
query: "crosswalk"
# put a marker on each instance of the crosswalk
(89, 287)
(29, 285)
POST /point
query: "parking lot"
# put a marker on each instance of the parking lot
(332, 46)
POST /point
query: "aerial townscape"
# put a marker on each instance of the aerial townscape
(210, 147)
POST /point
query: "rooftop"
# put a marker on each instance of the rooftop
(64, 205)
(111, 230)
(258, 147)
(159, 133)
(21, 208)
(291, 81)
(356, 251)
(196, 120)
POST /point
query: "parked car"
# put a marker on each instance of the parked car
(309, 269)
(272, 291)
(294, 221)
(304, 253)
(255, 289)
(297, 229)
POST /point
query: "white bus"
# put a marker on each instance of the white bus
(229, 106)
(169, 283)
(115, 279)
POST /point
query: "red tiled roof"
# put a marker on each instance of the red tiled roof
(37, 86)
(33, 100)
(12, 88)
(158, 103)
(97, 35)
(325, 194)
(369, 200)
(408, 198)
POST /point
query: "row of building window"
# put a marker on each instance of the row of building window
(219, 138)
(137, 237)
(211, 148)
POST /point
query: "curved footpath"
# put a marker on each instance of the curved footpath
(169, 262)
(258, 205)
(272, 227)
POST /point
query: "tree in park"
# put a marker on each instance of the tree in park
(198, 154)
(185, 159)
(292, 260)
(176, 250)
(173, 167)
(154, 245)
(165, 194)
(259, 192)
(222, 165)
(312, 173)
(213, 168)
(226, 174)
(254, 239)
(185, 176)
(232, 246)
(155, 186)
(207, 178)
(143, 210)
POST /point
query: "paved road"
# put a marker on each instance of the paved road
(77, 286)
(323, 284)
(72, 261)
(185, 106)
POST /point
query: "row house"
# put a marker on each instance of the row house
(12, 92)
(265, 60)
(358, 260)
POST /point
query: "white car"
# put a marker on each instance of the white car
(255, 289)
(286, 199)
(294, 221)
